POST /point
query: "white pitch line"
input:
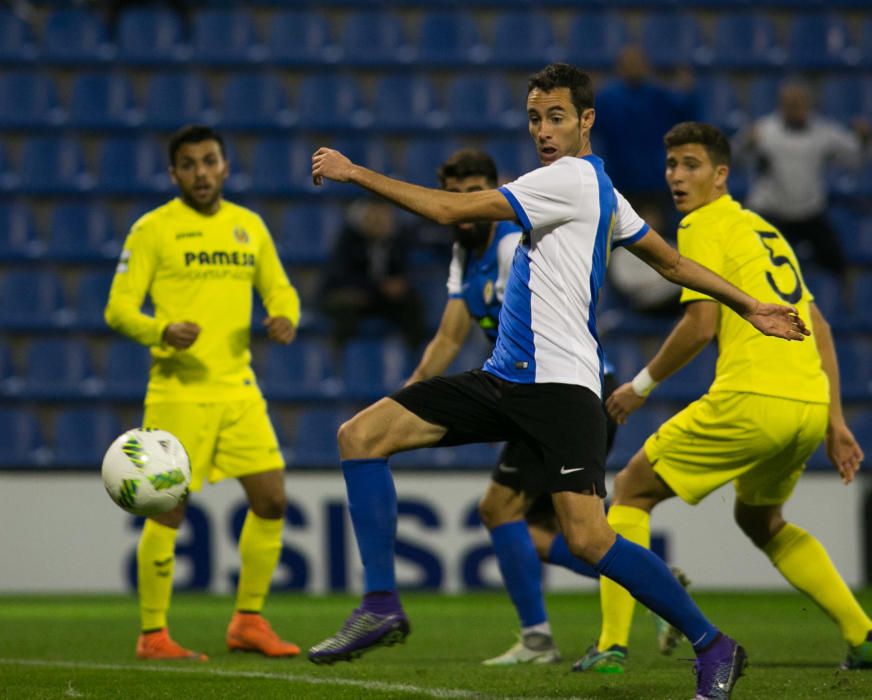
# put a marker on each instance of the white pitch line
(288, 677)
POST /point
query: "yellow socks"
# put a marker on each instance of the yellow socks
(259, 546)
(804, 562)
(616, 603)
(155, 557)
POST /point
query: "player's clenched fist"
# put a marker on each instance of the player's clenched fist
(181, 335)
(330, 164)
(280, 329)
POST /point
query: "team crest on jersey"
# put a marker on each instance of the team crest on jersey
(241, 235)
(487, 292)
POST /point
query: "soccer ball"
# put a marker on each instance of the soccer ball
(146, 472)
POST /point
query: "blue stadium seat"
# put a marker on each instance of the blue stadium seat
(226, 37)
(625, 355)
(523, 40)
(449, 38)
(59, 368)
(16, 39)
(762, 96)
(674, 40)
(314, 443)
(300, 371)
(845, 97)
(10, 180)
(151, 36)
(308, 233)
(301, 38)
(819, 40)
(430, 285)
(331, 102)
(18, 240)
(827, 292)
(22, 438)
(474, 352)
(177, 98)
(82, 436)
(372, 368)
(745, 40)
(255, 101)
(74, 36)
(692, 380)
(406, 102)
(423, 156)
(10, 382)
(855, 367)
(861, 308)
(82, 232)
(91, 298)
(483, 103)
(45, 305)
(720, 105)
(861, 426)
(53, 165)
(374, 38)
(29, 100)
(638, 428)
(281, 166)
(127, 369)
(596, 38)
(865, 44)
(371, 152)
(102, 101)
(514, 155)
(130, 165)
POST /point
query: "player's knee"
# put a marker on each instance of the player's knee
(760, 525)
(488, 512)
(588, 547)
(353, 438)
(270, 506)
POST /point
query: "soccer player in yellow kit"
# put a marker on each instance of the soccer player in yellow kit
(198, 257)
(768, 409)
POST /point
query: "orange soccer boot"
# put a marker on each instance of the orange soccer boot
(251, 632)
(158, 645)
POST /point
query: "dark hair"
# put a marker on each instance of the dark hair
(468, 162)
(193, 133)
(563, 75)
(715, 142)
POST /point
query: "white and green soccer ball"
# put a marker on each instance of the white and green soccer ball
(146, 472)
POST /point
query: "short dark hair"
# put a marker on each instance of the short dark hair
(715, 142)
(194, 133)
(564, 75)
(468, 162)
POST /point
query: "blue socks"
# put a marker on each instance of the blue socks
(560, 555)
(372, 502)
(648, 579)
(521, 570)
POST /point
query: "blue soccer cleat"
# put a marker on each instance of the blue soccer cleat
(362, 631)
(718, 668)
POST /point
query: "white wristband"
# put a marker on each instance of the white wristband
(643, 384)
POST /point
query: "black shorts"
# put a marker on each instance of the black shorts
(559, 430)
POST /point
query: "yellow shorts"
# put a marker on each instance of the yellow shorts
(760, 443)
(224, 440)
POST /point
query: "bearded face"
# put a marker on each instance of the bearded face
(472, 236)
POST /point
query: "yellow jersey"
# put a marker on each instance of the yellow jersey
(749, 252)
(201, 269)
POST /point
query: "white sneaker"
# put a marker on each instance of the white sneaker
(533, 648)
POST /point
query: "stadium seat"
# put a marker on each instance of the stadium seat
(331, 101)
(374, 38)
(255, 101)
(855, 367)
(281, 166)
(483, 103)
(449, 38)
(151, 36)
(819, 40)
(177, 98)
(82, 436)
(127, 370)
(301, 38)
(423, 156)
(73, 36)
(18, 240)
(514, 155)
(745, 40)
(45, 305)
(373, 368)
(595, 39)
(29, 100)
(845, 97)
(861, 426)
(53, 165)
(720, 106)
(674, 40)
(300, 371)
(103, 101)
(406, 102)
(59, 368)
(827, 292)
(16, 39)
(430, 285)
(865, 44)
(692, 380)
(625, 355)
(308, 233)
(314, 443)
(82, 232)
(10, 382)
(226, 37)
(537, 48)
(860, 306)
(131, 165)
(91, 297)
(762, 96)
(22, 438)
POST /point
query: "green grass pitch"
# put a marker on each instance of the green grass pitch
(82, 647)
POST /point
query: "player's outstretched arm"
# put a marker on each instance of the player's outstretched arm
(437, 205)
(770, 319)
